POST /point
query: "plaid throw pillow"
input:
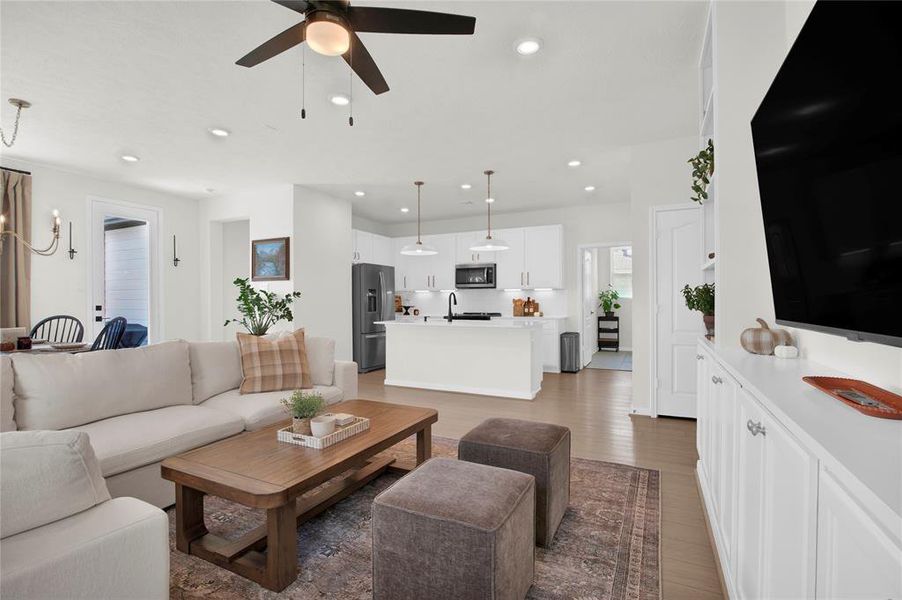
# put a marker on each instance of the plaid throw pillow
(272, 365)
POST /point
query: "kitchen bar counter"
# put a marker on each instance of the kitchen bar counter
(500, 357)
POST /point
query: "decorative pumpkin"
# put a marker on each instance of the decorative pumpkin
(763, 340)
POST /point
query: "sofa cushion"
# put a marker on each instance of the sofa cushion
(265, 408)
(321, 358)
(47, 476)
(215, 368)
(60, 391)
(130, 441)
(7, 409)
(271, 365)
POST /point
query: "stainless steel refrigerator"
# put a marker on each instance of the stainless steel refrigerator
(373, 300)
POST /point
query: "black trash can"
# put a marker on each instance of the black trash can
(570, 352)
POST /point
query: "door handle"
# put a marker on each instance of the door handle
(699, 357)
(716, 379)
(405, 281)
(521, 277)
(756, 428)
(527, 278)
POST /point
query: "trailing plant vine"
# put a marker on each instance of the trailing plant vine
(702, 169)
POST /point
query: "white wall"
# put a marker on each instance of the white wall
(625, 312)
(236, 262)
(321, 264)
(62, 286)
(659, 175)
(752, 41)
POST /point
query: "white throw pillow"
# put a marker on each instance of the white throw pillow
(56, 391)
(215, 368)
(321, 358)
(47, 476)
(7, 409)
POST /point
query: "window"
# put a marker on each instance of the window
(622, 270)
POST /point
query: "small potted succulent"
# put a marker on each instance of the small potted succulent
(303, 406)
(608, 301)
(701, 298)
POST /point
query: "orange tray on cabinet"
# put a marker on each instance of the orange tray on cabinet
(830, 385)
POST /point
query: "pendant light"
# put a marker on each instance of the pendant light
(419, 248)
(489, 244)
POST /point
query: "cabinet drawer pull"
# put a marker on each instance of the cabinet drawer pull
(756, 428)
(716, 379)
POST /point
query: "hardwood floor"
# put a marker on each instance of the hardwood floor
(595, 405)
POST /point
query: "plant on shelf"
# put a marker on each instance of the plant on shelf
(303, 406)
(261, 309)
(701, 298)
(702, 169)
(608, 301)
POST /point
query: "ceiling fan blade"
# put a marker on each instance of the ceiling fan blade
(400, 20)
(286, 40)
(364, 65)
(300, 6)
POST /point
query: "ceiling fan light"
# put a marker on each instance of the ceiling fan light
(328, 38)
(418, 249)
(490, 245)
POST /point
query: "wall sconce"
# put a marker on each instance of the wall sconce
(49, 250)
(175, 254)
(72, 251)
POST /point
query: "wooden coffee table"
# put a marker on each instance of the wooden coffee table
(256, 470)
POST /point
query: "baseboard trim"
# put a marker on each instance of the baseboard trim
(464, 389)
(713, 535)
(644, 412)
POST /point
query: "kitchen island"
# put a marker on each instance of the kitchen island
(490, 358)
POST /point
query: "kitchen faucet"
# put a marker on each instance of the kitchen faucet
(451, 296)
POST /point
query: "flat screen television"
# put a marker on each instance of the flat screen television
(828, 149)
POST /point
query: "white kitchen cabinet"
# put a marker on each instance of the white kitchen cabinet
(464, 255)
(511, 263)
(777, 487)
(383, 250)
(425, 273)
(441, 265)
(544, 257)
(404, 280)
(856, 558)
(372, 248)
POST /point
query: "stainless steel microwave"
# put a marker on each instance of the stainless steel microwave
(475, 275)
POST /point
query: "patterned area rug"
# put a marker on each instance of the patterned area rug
(607, 546)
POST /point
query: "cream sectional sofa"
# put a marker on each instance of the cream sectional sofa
(142, 405)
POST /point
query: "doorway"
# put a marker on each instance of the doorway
(606, 340)
(124, 274)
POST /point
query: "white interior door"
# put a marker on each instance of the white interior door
(590, 305)
(678, 253)
(125, 267)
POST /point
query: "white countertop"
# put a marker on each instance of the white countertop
(496, 323)
(868, 447)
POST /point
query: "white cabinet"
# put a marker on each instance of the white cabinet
(777, 510)
(403, 278)
(464, 255)
(544, 257)
(511, 263)
(722, 399)
(855, 557)
(425, 273)
(372, 248)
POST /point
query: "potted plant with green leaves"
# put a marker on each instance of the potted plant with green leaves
(702, 170)
(608, 301)
(303, 406)
(701, 298)
(261, 309)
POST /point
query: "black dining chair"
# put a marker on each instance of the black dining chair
(135, 336)
(111, 335)
(59, 329)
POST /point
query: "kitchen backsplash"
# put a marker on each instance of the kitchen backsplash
(551, 303)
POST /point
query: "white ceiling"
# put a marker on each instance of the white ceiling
(149, 78)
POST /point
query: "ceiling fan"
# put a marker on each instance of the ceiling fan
(330, 27)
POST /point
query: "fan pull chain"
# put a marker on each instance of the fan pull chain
(303, 82)
(351, 88)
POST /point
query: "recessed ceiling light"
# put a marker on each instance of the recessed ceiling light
(528, 46)
(360, 193)
(574, 163)
(219, 132)
(339, 100)
(489, 200)
(589, 188)
(405, 210)
(130, 158)
(465, 186)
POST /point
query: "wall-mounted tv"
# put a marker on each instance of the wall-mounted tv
(828, 148)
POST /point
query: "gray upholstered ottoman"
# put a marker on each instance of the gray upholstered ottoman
(539, 449)
(454, 530)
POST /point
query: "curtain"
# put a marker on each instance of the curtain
(15, 260)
